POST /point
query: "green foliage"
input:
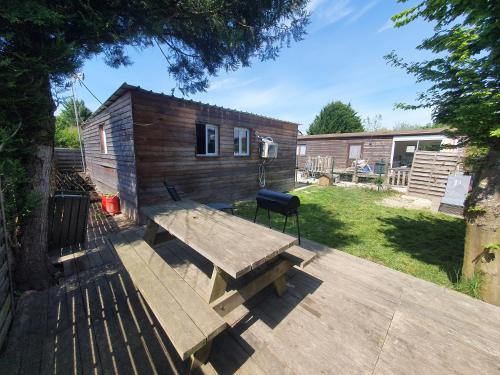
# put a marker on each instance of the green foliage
(66, 118)
(18, 204)
(471, 286)
(66, 134)
(373, 124)
(336, 117)
(475, 157)
(402, 125)
(67, 137)
(464, 75)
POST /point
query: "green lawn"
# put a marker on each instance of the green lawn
(423, 244)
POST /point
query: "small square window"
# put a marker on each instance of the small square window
(354, 152)
(102, 139)
(301, 150)
(207, 139)
(241, 142)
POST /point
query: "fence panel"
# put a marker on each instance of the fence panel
(430, 171)
(6, 295)
(68, 160)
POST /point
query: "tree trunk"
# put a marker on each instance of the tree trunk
(31, 258)
(483, 219)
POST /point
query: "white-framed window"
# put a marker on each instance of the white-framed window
(207, 139)
(102, 139)
(301, 150)
(241, 141)
(355, 151)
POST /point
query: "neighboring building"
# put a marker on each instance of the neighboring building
(396, 148)
(137, 139)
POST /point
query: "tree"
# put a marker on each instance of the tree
(66, 118)
(464, 93)
(66, 134)
(42, 44)
(403, 125)
(336, 117)
(373, 124)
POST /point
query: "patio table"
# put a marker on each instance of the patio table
(233, 245)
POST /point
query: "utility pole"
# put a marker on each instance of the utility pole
(77, 118)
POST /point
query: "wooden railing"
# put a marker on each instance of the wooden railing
(398, 176)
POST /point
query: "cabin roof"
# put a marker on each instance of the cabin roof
(385, 133)
(125, 87)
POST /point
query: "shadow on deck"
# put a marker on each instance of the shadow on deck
(343, 315)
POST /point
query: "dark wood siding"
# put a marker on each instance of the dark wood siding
(165, 143)
(373, 149)
(114, 172)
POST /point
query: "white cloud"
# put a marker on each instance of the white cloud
(386, 26)
(361, 12)
(230, 84)
(327, 13)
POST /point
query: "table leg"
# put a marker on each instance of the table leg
(200, 357)
(150, 232)
(280, 285)
(218, 284)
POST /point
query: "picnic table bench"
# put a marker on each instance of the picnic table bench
(233, 245)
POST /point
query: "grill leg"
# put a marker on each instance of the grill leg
(269, 217)
(284, 226)
(298, 226)
(255, 217)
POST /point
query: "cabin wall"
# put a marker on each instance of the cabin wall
(165, 143)
(373, 149)
(114, 172)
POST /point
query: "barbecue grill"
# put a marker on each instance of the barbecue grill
(284, 204)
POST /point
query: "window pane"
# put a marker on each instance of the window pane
(244, 141)
(200, 139)
(236, 140)
(211, 139)
(354, 151)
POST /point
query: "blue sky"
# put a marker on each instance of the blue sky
(341, 58)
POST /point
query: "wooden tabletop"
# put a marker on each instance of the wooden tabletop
(233, 244)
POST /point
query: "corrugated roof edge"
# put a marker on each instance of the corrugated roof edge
(374, 134)
(126, 87)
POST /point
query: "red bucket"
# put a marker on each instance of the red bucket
(111, 204)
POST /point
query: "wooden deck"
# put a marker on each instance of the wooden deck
(340, 315)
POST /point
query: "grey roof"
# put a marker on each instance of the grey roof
(385, 133)
(126, 87)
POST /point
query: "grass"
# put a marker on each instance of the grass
(420, 243)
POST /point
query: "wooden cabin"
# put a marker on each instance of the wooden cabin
(396, 148)
(138, 139)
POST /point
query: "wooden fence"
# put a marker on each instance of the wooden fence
(319, 165)
(6, 294)
(430, 171)
(68, 212)
(68, 160)
(398, 176)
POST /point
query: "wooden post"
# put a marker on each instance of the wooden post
(200, 357)
(355, 174)
(280, 285)
(218, 284)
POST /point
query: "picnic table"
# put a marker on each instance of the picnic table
(235, 247)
